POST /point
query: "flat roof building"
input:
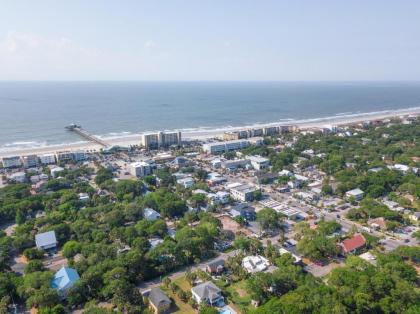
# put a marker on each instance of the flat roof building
(140, 169)
(227, 146)
(11, 162)
(243, 192)
(161, 139)
(30, 161)
(47, 159)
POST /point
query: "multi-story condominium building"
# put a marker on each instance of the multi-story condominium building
(11, 162)
(30, 161)
(222, 147)
(64, 156)
(47, 159)
(273, 130)
(140, 169)
(161, 139)
(79, 155)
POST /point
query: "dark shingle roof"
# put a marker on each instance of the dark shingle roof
(157, 297)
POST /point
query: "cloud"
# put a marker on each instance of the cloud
(149, 44)
(24, 54)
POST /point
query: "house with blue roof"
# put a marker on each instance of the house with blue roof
(64, 279)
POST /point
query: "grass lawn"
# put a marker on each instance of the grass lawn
(179, 306)
(239, 299)
(183, 283)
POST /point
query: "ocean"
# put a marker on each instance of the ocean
(34, 114)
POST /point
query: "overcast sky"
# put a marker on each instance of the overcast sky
(209, 40)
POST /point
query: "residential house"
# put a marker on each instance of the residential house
(186, 182)
(83, 197)
(255, 263)
(159, 301)
(353, 244)
(64, 279)
(415, 217)
(377, 223)
(19, 177)
(207, 292)
(215, 267)
(150, 214)
(55, 171)
(46, 240)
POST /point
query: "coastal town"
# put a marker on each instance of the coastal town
(242, 222)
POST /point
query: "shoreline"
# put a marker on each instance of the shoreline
(209, 133)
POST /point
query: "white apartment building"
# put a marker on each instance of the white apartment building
(161, 139)
(258, 162)
(47, 159)
(11, 162)
(242, 192)
(140, 169)
(30, 161)
(227, 146)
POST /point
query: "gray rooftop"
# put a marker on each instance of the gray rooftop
(45, 239)
(157, 297)
(206, 290)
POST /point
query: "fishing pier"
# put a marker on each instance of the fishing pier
(86, 135)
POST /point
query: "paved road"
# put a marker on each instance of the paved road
(156, 282)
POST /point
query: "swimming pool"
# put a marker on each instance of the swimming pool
(227, 310)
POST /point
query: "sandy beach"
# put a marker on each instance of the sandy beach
(205, 134)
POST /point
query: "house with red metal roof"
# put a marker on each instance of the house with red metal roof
(353, 244)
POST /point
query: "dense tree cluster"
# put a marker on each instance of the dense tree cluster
(94, 235)
(358, 287)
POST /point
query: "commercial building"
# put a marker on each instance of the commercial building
(222, 147)
(11, 162)
(356, 193)
(140, 169)
(258, 162)
(235, 164)
(161, 139)
(243, 192)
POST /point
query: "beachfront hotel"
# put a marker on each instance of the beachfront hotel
(160, 139)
